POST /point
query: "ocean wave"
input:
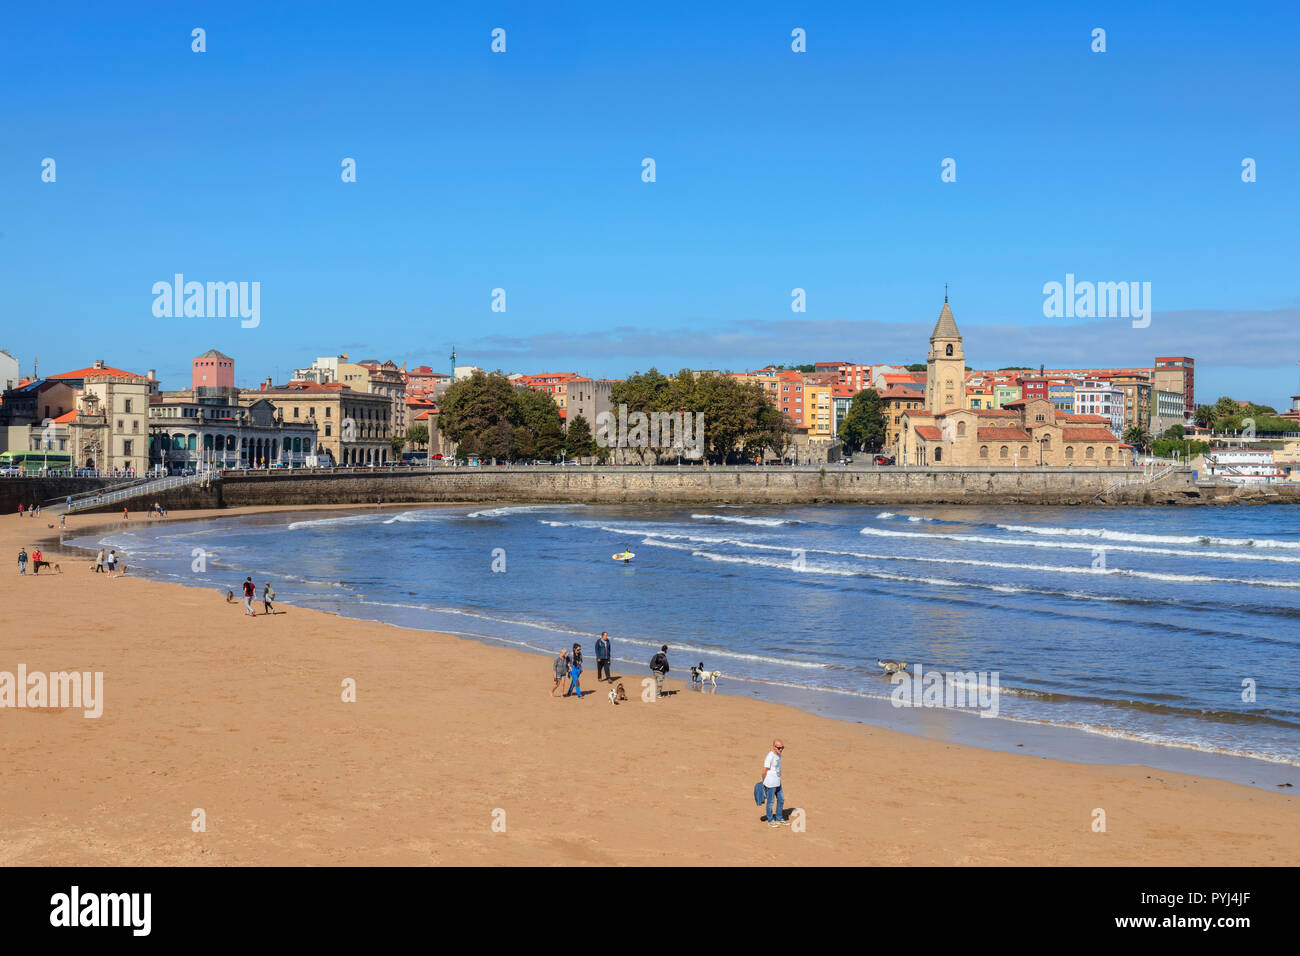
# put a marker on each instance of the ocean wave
(340, 521)
(742, 519)
(518, 510)
(1105, 534)
(1076, 546)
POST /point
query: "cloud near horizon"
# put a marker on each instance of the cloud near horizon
(1228, 338)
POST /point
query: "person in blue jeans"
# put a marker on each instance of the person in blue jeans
(772, 785)
(575, 673)
(22, 560)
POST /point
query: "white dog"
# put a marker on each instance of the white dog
(699, 675)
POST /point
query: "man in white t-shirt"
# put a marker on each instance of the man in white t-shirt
(772, 785)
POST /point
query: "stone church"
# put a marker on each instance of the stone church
(1023, 433)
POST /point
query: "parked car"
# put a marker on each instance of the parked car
(884, 460)
(437, 458)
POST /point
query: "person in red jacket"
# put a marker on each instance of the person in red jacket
(249, 591)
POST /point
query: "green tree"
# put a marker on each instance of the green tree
(474, 411)
(864, 426)
(398, 442)
(578, 441)
(1205, 416)
(1175, 432)
(418, 435)
(1136, 436)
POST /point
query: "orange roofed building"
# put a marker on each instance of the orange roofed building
(1029, 432)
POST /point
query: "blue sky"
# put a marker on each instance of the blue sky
(775, 170)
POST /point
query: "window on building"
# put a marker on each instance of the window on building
(984, 451)
(1004, 452)
(127, 403)
(126, 447)
(1024, 451)
(1090, 452)
(1069, 451)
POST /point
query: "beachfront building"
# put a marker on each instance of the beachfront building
(1166, 411)
(1177, 373)
(1026, 432)
(208, 427)
(1241, 466)
(352, 428)
(98, 412)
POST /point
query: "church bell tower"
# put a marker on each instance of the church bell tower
(945, 369)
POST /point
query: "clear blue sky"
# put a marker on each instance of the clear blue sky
(775, 170)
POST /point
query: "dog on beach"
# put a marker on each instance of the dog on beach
(892, 667)
(617, 693)
(230, 597)
(45, 564)
(699, 675)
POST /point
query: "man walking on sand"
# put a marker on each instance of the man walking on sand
(268, 595)
(250, 590)
(659, 664)
(602, 656)
(561, 664)
(99, 562)
(772, 785)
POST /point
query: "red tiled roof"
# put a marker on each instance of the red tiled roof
(1002, 434)
(928, 432)
(65, 418)
(105, 370)
(1085, 419)
(1087, 434)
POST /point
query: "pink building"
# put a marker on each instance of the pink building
(213, 370)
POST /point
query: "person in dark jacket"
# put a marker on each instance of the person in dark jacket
(602, 656)
(575, 673)
(659, 664)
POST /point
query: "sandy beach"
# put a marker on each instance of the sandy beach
(205, 708)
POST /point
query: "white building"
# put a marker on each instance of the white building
(1092, 397)
(8, 370)
(1241, 467)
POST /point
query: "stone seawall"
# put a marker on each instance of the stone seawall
(43, 491)
(775, 486)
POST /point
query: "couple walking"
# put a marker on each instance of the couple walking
(569, 664)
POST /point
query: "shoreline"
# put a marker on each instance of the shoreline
(1052, 739)
(205, 707)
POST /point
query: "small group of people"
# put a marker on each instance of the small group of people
(37, 561)
(30, 511)
(250, 592)
(157, 509)
(106, 563)
(569, 664)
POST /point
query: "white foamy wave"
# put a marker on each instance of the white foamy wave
(886, 514)
(887, 576)
(517, 510)
(1078, 546)
(321, 523)
(1003, 565)
(423, 516)
(741, 519)
(1135, 536)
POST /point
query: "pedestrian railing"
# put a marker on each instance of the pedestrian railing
(97, 499)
